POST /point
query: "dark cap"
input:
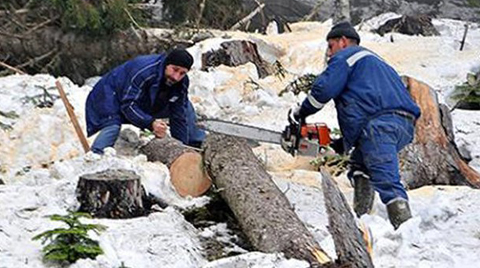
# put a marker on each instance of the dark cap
(343, 29)
(179, 57)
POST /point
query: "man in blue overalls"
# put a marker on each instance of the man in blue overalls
(139, 92)
(376, 116)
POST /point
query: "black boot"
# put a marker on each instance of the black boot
(363, 194)
(398, 212)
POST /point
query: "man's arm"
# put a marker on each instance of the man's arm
(178, 115)
(130, 106)
(327, 85)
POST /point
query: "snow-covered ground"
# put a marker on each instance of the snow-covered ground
(41, 159)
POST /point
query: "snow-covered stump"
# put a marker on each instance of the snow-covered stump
(433, 157)
(187, 172)
(262, 210)
(115, 194)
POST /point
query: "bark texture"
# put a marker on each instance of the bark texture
(411, 25)
(165, 150)
(187, 172)
(115, 194)
(263, 211)
(433, 157)
(349, 244)
(235, 53)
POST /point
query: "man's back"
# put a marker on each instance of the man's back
(140, 70)
(372, 88)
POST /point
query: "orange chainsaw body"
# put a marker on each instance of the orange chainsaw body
(318, 131)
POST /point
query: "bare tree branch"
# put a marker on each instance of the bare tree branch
(247, 18)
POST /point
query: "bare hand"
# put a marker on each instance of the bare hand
(159, 128)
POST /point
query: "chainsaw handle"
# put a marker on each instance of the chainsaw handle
(298, 134)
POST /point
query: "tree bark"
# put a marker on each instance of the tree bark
(349, 244)
(264, 213)
(433, 157)
(235, 53)
(342, 11)
(115, 194)
(187, 172)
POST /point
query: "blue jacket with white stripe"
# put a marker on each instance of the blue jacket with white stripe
(363, 87)
(133, 92)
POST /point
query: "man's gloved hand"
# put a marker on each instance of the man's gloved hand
(294, 114)
(159, 128)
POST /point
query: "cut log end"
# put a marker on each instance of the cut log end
(188, 175)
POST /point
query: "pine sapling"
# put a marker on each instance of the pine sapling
(72, 243)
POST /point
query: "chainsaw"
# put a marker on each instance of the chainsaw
(297, 137)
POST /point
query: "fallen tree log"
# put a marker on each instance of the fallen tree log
(262, 210)
(187, 172)
(349, 243)
(115, 194)
(411, 25)
(433, 156)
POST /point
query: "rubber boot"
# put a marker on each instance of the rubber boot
(363, 194)
(398, 212)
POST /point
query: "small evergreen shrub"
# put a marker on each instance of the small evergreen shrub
(72, 243)
(467, 95)
(301, 84)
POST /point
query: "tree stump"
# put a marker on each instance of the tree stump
(115, 194)
(187, 172)
(349, 243)
(262, 210)
(433, 157)
(235, 53)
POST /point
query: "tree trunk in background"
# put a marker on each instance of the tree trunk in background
(342, 11)
(349, 243)
(187, 172)
(79, 57)
(433, 157)
(263, 211)
(115, 194)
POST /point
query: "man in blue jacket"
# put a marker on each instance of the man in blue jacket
(139, 92)
(376, 116)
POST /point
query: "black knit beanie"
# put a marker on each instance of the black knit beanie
(179, 57)
(343, 29)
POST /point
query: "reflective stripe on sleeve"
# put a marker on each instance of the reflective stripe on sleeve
(314, 102)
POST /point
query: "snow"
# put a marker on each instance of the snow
(41, 159)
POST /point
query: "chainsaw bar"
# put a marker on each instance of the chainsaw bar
(240, 130)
